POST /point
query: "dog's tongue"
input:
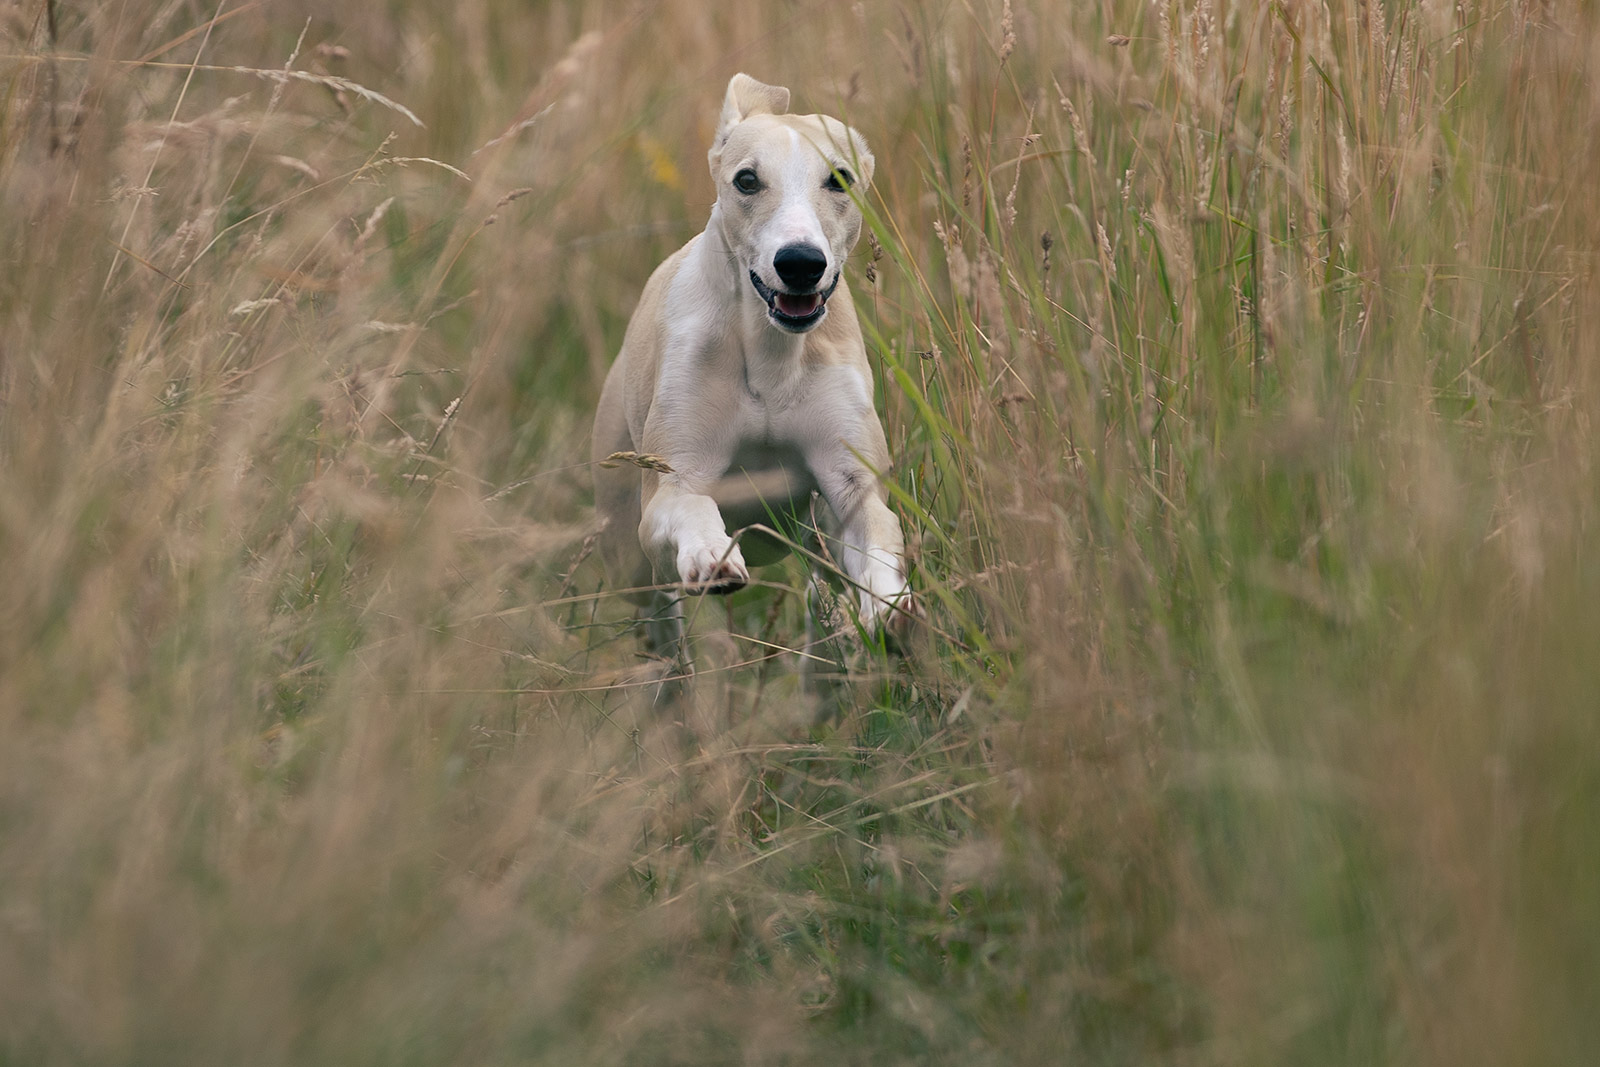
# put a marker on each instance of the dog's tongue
(798, 306)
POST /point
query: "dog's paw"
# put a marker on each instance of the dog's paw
(710, 570)
(899, 618)
(903, 618)
(903, 621)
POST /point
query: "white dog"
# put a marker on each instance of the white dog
(743, 385)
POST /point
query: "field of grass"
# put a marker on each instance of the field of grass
(1243, 395)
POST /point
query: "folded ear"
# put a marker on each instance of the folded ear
(746, 97)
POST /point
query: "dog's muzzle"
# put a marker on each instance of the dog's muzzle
(795, 312)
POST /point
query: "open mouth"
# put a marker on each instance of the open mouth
(796, 312)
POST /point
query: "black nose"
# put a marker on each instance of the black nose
(800, 266)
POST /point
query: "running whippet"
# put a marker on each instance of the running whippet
(743, 385)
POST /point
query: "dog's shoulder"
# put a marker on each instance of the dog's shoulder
(649, 314)
(671, 307)
(664, 275)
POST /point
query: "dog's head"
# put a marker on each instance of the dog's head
(785, 187)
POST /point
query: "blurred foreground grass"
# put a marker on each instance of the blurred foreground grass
(1241, 377)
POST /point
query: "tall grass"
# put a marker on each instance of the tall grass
(1238, 362)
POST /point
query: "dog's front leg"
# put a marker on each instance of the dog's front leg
(869, 543)
(685, 528)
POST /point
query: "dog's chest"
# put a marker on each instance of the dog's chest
(765, 429)
(777, 420)
(768, 432)
(756, 429)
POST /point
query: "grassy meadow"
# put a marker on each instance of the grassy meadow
(1243, 396)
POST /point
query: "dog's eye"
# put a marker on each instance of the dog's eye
(840, 180)
(746, 181)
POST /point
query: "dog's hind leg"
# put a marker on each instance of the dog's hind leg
(662, 619)
(821, 666)
(824, 665)
(663, 625)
